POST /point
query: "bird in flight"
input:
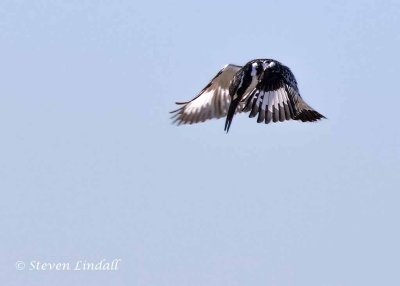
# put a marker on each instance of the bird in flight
(263, 87)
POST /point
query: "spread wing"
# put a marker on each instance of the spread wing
(212, 102)
(276, 98)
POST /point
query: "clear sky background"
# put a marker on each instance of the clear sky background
(91, 167)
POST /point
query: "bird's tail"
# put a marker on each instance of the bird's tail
(231, 113)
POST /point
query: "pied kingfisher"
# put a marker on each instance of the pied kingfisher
(262, 87)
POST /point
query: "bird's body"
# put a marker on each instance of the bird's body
(262, 87)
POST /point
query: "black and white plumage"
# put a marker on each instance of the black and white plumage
(263, 87)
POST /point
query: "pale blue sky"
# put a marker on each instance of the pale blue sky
(91, 168)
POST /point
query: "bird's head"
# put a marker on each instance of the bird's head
(256, 68)
(267, 64)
